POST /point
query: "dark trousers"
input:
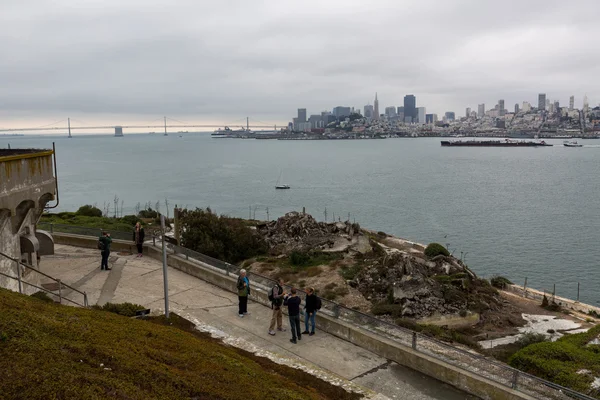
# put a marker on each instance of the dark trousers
(140, 248)
(295, 326)
(104, 262)
(243, 304)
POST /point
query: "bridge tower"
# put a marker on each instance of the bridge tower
(69, 122)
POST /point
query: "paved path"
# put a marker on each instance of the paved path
(140, 280)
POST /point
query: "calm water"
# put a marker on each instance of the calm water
(528, 212)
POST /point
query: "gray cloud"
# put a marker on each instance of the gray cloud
(228, 59)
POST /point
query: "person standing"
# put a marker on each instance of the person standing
(104, 242)
(292, 301)
(243, 287)
(138, 238)
(310, 310)
(276, 297)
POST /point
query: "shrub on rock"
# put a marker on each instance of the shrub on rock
(435, 249)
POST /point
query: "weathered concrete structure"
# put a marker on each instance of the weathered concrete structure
(27, 184)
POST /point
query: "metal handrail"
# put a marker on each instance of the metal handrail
(515, 374)
(60, 283)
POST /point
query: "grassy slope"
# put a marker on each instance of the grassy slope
(52, 351)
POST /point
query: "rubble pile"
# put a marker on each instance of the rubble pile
(421, 288)
(300, 231)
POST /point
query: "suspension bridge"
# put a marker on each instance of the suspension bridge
(168, 124)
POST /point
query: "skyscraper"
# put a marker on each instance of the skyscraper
(450, 116)
(542, 101)
(516, 108)
(301, 115)
(586, 104)
(410, 108)
(376, 108)
(571, 103)
(501, 110)
(468, 112)
(390, 112)
(368, 111)
(421, 115)
(481, 110)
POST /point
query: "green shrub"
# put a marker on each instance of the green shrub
(500, 282)
(349, 273)
(228, 239)
(299, 258)
(531, 338)
(435, 249)
(124, 309)
(131, 220)
(89, 211)
(42, 296)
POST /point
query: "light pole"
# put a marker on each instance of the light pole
(465, 259)
(165, 277)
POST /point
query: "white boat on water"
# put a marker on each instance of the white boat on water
(572, 143)
(280, 184)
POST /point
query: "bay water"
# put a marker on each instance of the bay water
(515, 212)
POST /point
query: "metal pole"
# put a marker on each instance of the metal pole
(19, 276)
(59, 291)
(525, 288)
(578, 292)
(553, 292)
(165, 277)
(85, 299)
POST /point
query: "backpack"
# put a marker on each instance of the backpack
(318, 303)
(272, 298)
(101, 245)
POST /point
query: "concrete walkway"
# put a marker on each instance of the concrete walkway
(140, 280)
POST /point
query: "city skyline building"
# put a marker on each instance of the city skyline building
(410, 108)
(390, 112)
(368, 111)
(516, 108)
(450, 116)
(501, 109)
(341, 111)
(571, 103)
(586, 104)
(376, 107)
(468, 112)
(526, 106)
(542, 102)
(421, 115)
(481, 110)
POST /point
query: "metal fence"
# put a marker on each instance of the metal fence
(459, 357)
(86, 231)
(62, 296)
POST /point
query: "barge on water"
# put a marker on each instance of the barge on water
(495, 143)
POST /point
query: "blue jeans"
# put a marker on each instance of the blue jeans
(104, 262)
(312, 320)
(295, 325)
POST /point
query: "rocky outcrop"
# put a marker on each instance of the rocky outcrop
(300, 231)
(419, 287)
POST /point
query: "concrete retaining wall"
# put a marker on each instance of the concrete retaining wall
(464, 380)
(561, 301)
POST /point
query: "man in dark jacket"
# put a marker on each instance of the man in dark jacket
(292, 301)
(105, 252)
(310, 310)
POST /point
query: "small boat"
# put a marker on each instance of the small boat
(279, 184)
(572, 143)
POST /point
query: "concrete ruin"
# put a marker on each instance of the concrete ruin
(27, 185)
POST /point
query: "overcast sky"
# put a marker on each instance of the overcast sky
(120, 61)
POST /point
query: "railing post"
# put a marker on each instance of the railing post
(336, 310)
(525, 288)
(227, 269)
(515, 378)
(85, 299)
(414, 340)
(51, 227)
(59, 291)
(153, 240)
(19, 276)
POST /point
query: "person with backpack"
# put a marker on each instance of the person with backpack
(243, 287)
(104, 242)
(138, 238)
(276, 295)
(312, 305)
(292, 301)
